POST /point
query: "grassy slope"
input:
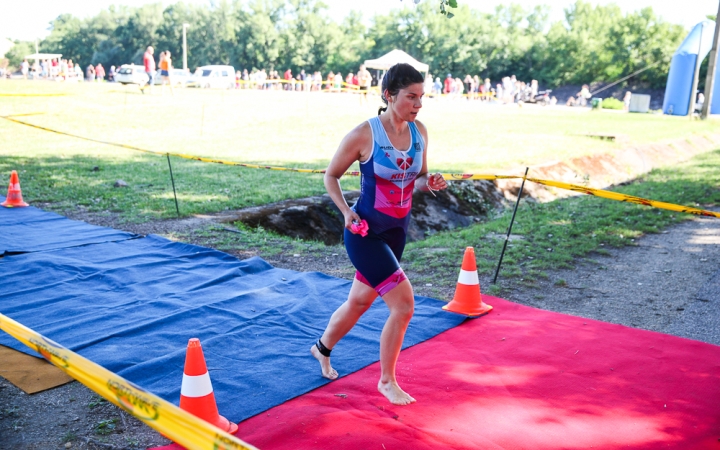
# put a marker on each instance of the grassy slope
(556, 234)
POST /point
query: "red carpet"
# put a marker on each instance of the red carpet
(518, 378)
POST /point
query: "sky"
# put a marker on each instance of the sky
(29, 19)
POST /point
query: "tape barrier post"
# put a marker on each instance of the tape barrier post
(178, 425)
(512, 220)
(172, 179)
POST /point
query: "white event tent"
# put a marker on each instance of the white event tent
(394, 57)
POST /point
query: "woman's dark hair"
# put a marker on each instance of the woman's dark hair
(399, 76)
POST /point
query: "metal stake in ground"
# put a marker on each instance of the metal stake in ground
(512, 220)
(177, 208)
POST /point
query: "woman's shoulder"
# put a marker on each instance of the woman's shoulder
(361, 133)
(422, 129)
(420, 126)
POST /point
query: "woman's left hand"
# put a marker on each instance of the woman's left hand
(436, 182)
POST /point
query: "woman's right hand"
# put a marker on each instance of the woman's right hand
(350, 217)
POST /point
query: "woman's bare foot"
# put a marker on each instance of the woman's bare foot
(327, 370)
(392, 391)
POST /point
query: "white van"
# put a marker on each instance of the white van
(131, 74)
(222, 77)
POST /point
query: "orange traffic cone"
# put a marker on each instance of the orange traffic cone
(14, 197)
(196, 393)
(468, 299)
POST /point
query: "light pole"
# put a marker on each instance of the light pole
(185, 26)
(710, 79)
(696, 74)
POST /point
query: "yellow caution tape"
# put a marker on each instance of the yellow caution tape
(26, 114)
(178, 425)
(626, 198)
(179, 155)
(448, 176)
(475, 176)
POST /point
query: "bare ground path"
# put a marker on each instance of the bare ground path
(667, 282)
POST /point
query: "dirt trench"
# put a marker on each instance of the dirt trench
(466, 202)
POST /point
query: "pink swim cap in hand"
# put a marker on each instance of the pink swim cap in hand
(360, 227)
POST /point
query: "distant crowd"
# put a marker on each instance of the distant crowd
(508, 90)
(362, 80)
(64, 70)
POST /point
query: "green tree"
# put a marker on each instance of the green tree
(592, 43)
(18, 52)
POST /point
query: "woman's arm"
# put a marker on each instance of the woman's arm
(427, 182)
(354, 147)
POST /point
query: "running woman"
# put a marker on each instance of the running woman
(392, 151)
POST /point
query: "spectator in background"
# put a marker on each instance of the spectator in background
(699, 103)
(64, 69)
(448, 86)
(458, 87)
(111, 74)
(309, 80)
(468, 85)
(246, 79)
(301, 78)
(24, 68)
(288, 77)
(78, 72)
(99, 72)
(626, 101)
(149, 63)
(337, 82)
(437, 86)
(428, 84)
(90, 73)
(582, 97)
(165, 68)
(364, 80)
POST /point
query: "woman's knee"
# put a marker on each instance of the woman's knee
(360, 303)
(403, 309)
(361, 297)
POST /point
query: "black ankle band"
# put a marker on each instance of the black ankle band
(322, 349)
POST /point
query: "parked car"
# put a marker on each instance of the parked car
(222, 77)
(131, 74)
(178, 77)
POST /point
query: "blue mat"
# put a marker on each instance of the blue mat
(30, 230)
(131, 306)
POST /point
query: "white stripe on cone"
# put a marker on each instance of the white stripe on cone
(196, 386)
(468, 277)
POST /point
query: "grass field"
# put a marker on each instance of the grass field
(289, 129)
(303, 130)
